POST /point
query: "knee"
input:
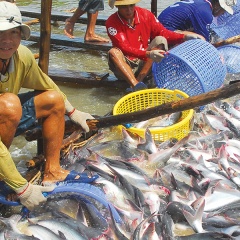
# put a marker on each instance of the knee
(55, 100)
(10, 107)
(114, 53)
(159, 42)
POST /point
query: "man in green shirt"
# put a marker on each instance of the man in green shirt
(18, 69)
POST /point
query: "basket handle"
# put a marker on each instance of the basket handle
(166, 108)
(227, 41)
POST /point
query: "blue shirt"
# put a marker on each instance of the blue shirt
(189, 15)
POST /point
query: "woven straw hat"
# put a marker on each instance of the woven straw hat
(113, 3)
(10, 17)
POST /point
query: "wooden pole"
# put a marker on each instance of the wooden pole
(227, 41)
(166, 108)
(44, 48)
(45, 34)
(154, 7)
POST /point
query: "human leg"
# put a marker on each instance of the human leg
(90, 35)
(119, 66)
(10, 115)
(92, 8)
(70, 22)
(50, 108)
(28, 118)
(146, 68)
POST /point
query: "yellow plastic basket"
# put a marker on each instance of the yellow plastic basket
(141, 100)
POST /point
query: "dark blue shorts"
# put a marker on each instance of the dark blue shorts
(28, 119)
(91, 6)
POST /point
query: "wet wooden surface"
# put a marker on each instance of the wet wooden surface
(60, 39)
(58, 75)
(87, 78)
(58, 16)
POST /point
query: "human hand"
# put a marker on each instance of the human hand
(80, 118)
(76, 116)
(191, 36)
(32, 195)
(156, 55)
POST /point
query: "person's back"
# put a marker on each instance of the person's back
(192, 15)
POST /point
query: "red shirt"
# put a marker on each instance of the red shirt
(133, 41)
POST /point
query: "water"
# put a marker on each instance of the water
(83, 59)
(96, 101)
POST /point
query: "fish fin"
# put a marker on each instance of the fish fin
(174, 182)
(62, 236)
(195, 185)
(196, 220)
(201, 160)
(209, 191)
(149, 141)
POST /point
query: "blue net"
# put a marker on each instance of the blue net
(231, 56)
(194, 67)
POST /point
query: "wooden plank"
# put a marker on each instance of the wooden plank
(63, 40)
(87, 78)
(57, 16)
(44, 49)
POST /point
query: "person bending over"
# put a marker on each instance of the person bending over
(19, 69)
(131, 29)
(194, 15)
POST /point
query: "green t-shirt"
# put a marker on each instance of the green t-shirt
(24, 72)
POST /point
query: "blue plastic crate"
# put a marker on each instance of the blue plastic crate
(194, 67)
(231, 55)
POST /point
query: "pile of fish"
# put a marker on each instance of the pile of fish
(187, 189)
(159, 122)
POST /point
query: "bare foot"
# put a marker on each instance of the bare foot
(72, 10)
(96, 38)
(69, 26)
(53, 177)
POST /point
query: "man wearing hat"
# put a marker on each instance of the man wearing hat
(18, 69)
(194, 15)
(131, 29)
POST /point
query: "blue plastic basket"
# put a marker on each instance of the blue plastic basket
(227, 25)
(231, 55)
(194, 67)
